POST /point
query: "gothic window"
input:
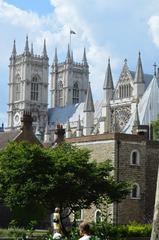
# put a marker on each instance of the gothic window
(75, 93)
(98, 216)
(17, 88)
(34, 89)
(60, 93)
(135, 157)
(135, 191)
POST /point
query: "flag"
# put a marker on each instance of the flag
(72, 32)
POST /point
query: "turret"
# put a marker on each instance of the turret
(79, 128)
(26, 49)
(88, 113)
(108, 86)
(14, 52)
(136, 122)
(139, 85)
(44, 50)
(46, 134)
(84, 60)
(68, 129)
(68, 56)
(32, 49)
(55, 62)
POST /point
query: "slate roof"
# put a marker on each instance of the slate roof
(6, 137)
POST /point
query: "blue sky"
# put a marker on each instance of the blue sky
(115, 29)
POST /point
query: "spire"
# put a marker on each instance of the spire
(55, 57)
(89, 105)
(44, 50)
(108, 82)
(139, 75)
(136, 119)
(32, 49)
(68, 57)
(26, 49)
(14, 52)
(84, 60)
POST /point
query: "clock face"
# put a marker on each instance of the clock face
(16, 119)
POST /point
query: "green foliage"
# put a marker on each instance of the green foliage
(34, 180)
(155, 125)
(105, 230)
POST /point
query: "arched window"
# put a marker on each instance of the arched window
(135, 191)
(34, 89)
(60, 93)
(135, 157)
(75, 93)
(98, 216)
(17, 88)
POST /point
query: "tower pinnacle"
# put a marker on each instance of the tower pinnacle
(108, 83)
(89, 105)
(139, 76)
(14, 52)
(26, 49)
(84, 60)
(44, 50)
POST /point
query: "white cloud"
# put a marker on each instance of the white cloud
(154, 29)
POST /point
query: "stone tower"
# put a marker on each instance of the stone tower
(69, 80)
(28, 86)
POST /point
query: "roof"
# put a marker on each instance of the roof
(148, 106)
(71, 113)
(6, 137)
(147, 78)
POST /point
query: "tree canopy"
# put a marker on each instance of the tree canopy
(34, 180)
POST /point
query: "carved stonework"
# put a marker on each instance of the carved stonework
(119, 117)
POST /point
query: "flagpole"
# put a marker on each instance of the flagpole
(70, 39)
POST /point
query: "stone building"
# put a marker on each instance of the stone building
(28, 86)
(111, 128)
(135, 159)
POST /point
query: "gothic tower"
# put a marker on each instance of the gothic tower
(28, 86)
(69, 80)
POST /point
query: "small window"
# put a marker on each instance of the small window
(98, 216)
(135, 191)
(34, 89)
(75, 93)
(135, 157)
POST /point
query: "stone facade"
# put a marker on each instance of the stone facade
(119, 148)
(28, 87)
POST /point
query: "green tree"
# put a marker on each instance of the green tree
(155, 125)
(34, 180)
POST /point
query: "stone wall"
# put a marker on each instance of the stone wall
(131, 209)
(151, 178)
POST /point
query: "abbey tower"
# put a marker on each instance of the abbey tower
(28, 86)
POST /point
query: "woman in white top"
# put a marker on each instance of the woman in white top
(84, 231)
